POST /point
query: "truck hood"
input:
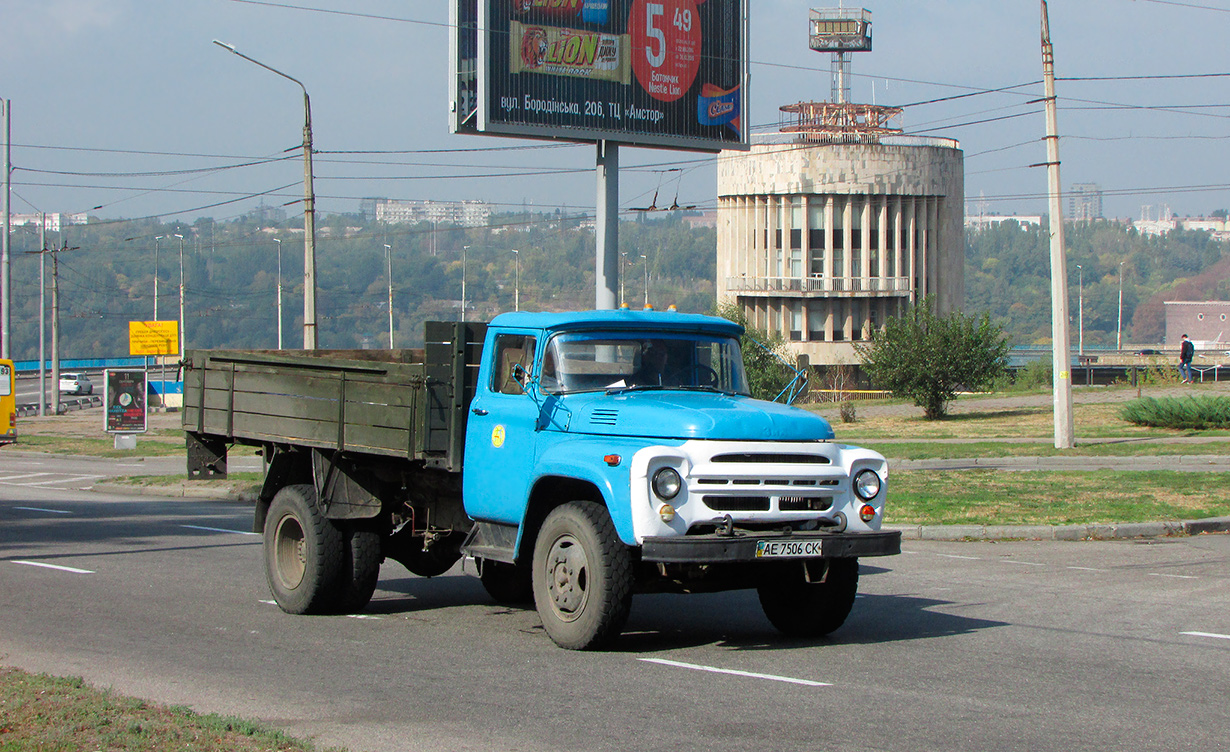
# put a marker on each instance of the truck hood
(683, 415)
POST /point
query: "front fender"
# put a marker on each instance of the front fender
(585, 459)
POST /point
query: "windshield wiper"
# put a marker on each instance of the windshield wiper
(636, 388)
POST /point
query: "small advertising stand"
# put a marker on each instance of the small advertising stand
(127, 407)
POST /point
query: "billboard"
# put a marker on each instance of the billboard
(153, 337)
(668, 73)
(125, 400)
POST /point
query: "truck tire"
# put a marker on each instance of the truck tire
(582, 576)
(811, 609)
(360, 570)
(304, 553)
(508, 584)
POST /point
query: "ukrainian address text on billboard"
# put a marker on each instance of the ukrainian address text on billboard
(657, 72)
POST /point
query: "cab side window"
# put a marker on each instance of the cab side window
(514, 358)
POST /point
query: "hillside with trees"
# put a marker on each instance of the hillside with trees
(106, 278)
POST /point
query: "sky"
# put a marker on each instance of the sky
(125, 108)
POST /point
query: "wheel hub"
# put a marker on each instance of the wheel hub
(568, 576)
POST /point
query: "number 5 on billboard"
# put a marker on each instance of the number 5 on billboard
(653, 11)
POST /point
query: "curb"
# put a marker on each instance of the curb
(1120, 531)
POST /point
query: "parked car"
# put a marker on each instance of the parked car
(76, 383)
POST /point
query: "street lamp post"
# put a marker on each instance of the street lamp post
(279, 242)
(464, 248)
(1080, 307)
(309, 207)
(156, 239)
(182, 333)
(517, 281)
(1119, 327)
(646, 279)
(388, 259)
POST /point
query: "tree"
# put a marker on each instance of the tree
(764, 356)
(929, 358)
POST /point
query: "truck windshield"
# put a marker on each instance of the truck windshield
(590, 362)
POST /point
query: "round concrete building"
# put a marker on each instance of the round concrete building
(823, 234)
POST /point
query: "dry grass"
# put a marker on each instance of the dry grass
(49, 714)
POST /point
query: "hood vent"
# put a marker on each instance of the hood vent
(604, 417)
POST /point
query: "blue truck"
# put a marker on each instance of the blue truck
(578, 458)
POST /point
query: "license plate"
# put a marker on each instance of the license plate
(788, 549)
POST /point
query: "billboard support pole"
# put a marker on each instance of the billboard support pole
(606, 270)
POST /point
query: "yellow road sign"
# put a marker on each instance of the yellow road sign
(153, 337)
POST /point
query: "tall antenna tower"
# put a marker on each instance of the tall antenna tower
(840, 31)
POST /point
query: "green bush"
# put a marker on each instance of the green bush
(1036, 374)
(1191, 413)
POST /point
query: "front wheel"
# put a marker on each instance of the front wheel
(811, 609)
(582, 576)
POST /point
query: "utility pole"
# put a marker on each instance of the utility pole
(42, 318)
(279, 242)
(182, 334)
(1061, 366)
(1119, 326)
(6, 297)
(55, 319)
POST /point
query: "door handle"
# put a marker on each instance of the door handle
(479, 411)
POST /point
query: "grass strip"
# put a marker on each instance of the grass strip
(999, 497)
(900, 450)
(52, 714)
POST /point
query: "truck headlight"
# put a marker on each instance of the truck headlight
(666, 483)
(866, 484)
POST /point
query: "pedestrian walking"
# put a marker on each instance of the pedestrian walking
(1186, 352)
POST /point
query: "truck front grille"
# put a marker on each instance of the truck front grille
(737, 503)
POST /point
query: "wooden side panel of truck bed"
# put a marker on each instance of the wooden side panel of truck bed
(399, 403)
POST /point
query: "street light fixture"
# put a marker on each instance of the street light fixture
(309, 206)
(388, 259)
(517, 283)
(279, 242)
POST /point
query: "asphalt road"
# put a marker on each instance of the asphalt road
(959, 646)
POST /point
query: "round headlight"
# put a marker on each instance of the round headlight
(866, 484)
(666, 483)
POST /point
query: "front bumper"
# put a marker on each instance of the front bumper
(743, 545)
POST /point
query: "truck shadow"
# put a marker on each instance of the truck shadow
(666, 622)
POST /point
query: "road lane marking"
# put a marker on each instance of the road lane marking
(74, 570)
(1089, 569)
(732, 672)
(1208, 634)
(69, 479)
(955, 556)
(40, 509)
(1176, 576)
(8, 478)
(220, 530)
(1023, 563)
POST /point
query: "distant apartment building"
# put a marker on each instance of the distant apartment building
(460, 213)
(1084, 202)
(52, 222)
(983, 221)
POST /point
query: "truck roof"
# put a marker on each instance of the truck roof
(619, 319)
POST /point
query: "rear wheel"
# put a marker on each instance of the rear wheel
(811, 609)
(360, 570)
(304, 553)
(582, 576)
